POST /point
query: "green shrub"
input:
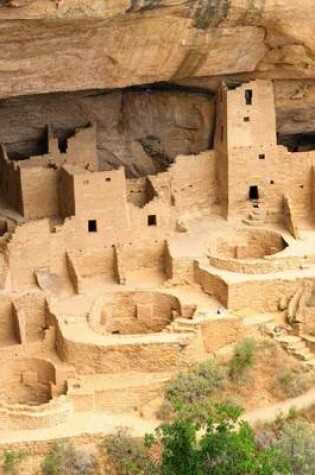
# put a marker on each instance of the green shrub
(12, 460)
(191, 393)
(196, 385)
(65, 459)
(297, 443)
(291, 383)
(243, 359)
(128, 455)
(165, 411)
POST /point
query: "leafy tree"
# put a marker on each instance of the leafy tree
(224, 446)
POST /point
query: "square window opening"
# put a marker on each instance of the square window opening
(261, 156)
(152, 220)
(92, 226)
(272, 182)
(108, 179)
(246, 119)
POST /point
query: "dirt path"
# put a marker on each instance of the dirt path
(270, 413)
(102, 423)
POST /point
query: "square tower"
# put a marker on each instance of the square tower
(245, 135)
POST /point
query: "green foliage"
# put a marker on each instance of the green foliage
(243, 359)
(189, 392)
(224, 446)
(12, 460)
(291, 383)
(128, 455)
(296, 441)
(65, 459)
(165, 412)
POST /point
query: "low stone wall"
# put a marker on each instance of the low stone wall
(117, 398)
(22, 416)
(212, 284)
(258, 266)
(261, 295)
(166, 352)
(181, 269)
(221, 332)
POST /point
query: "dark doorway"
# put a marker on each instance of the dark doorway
(152, 220)
(249, 97)
(253, 192)
(92, 226)
(63, 144)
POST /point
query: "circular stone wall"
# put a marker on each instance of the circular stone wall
(247, 244)
(26, 382)
(138, 312)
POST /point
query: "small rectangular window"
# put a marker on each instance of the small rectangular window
(92, 226)
(249, 97)
(261, 156)
(246, 119)
(108, 179)
(152, 220)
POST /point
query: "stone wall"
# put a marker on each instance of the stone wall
(222, 331)
(193, 181)
(212, 284)
(7, 324)
(29, 250)
(251, 115)
(39, 191)
(276, 174)
(151, 353)
(261, 295)
(21, 417)
(10, 182)
(33, 307)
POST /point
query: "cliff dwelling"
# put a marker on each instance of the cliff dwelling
(111, 281)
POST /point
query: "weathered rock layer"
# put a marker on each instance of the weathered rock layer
(68, 45)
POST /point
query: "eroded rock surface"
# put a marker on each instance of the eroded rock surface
(143, 129)
(118, 43)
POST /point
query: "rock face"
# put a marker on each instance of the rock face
(142, 129)
(54, 45)
(78, 45)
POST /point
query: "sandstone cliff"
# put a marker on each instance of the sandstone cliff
(73, 45)
(53, 45)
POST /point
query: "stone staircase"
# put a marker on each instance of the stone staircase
(256, 216)
(182, 325)
(294, 345)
